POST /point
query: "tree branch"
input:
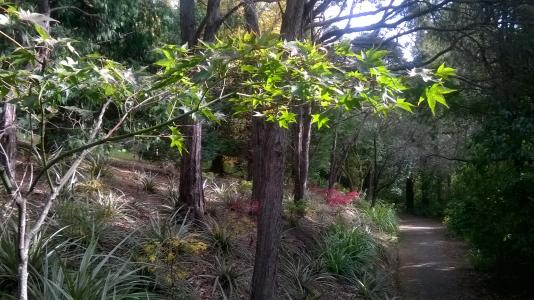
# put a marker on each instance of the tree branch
(118, 138)
(335, 34)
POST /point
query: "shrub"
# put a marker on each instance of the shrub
(96, 276)
(344, 249)
(371, 283)
(490, 207)
(225, 192)
(166, 246)
(148, 181)
(219, 235)
(42, 247)
(82, 219)
(383, 216)
(98, 166)
(225, 277)
(296, 210)
(301, 277)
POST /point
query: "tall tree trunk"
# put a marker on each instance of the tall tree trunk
(188, 23)
(332, 176)
(8, 122)
(8, 138)
(254, 155)
(191, 191)
(269, 221)
(409, 194)
(258, 128)
(425, 190)
(213, 17)
(372, 175)
(217, 165)
(292, 26)
(251, 17)
(269, 188)
(303, 154)
(292, 29)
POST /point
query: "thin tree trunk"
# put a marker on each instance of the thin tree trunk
(252, 26)
(23, 250)
(191, 191)
(251, 17)
(8, 138)
(213, 17)
(9, 116)
(372, 175)
(269, 221)
(409, 194)
(217, 165)
(302, 138)
(293, 17)
(425, 190)
(258, 128)
(188, 22)
(332, 176)
(269, 188)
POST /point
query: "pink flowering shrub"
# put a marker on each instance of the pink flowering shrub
(334, 197)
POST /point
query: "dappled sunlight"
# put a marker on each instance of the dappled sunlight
(410, 227)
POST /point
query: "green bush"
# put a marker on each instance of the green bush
(383, 216)
(301, 276)
(344, 249)
(64, 270)
(491, 208)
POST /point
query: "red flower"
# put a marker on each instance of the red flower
(335, 197)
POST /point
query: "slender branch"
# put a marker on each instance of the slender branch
(333, 35)
(75, 8)
(118, 138)
(64, 180)
(450, 158)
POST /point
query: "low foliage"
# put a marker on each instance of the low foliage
(344, 249)
(383, 216)
(148, 181)
(301, 277)
(219, 235)
(225, 277)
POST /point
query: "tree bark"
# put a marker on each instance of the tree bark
(409, 194)
(268, 182)
(302, 152)
(270, 194)
(213, 20)
(258, 128)
(372, 175)
(188, 22)
(251, 17)
(292, 24)
(332, 176)
(8, 124)
(191, 191)
(254, 155)
(8, 138)
(425, 190)
(217, 165)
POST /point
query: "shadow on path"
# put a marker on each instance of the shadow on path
(432, 265)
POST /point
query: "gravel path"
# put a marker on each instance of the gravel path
(434, 266)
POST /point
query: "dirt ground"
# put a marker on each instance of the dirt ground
(434, 266)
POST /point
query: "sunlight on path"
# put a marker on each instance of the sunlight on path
(431, 265)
